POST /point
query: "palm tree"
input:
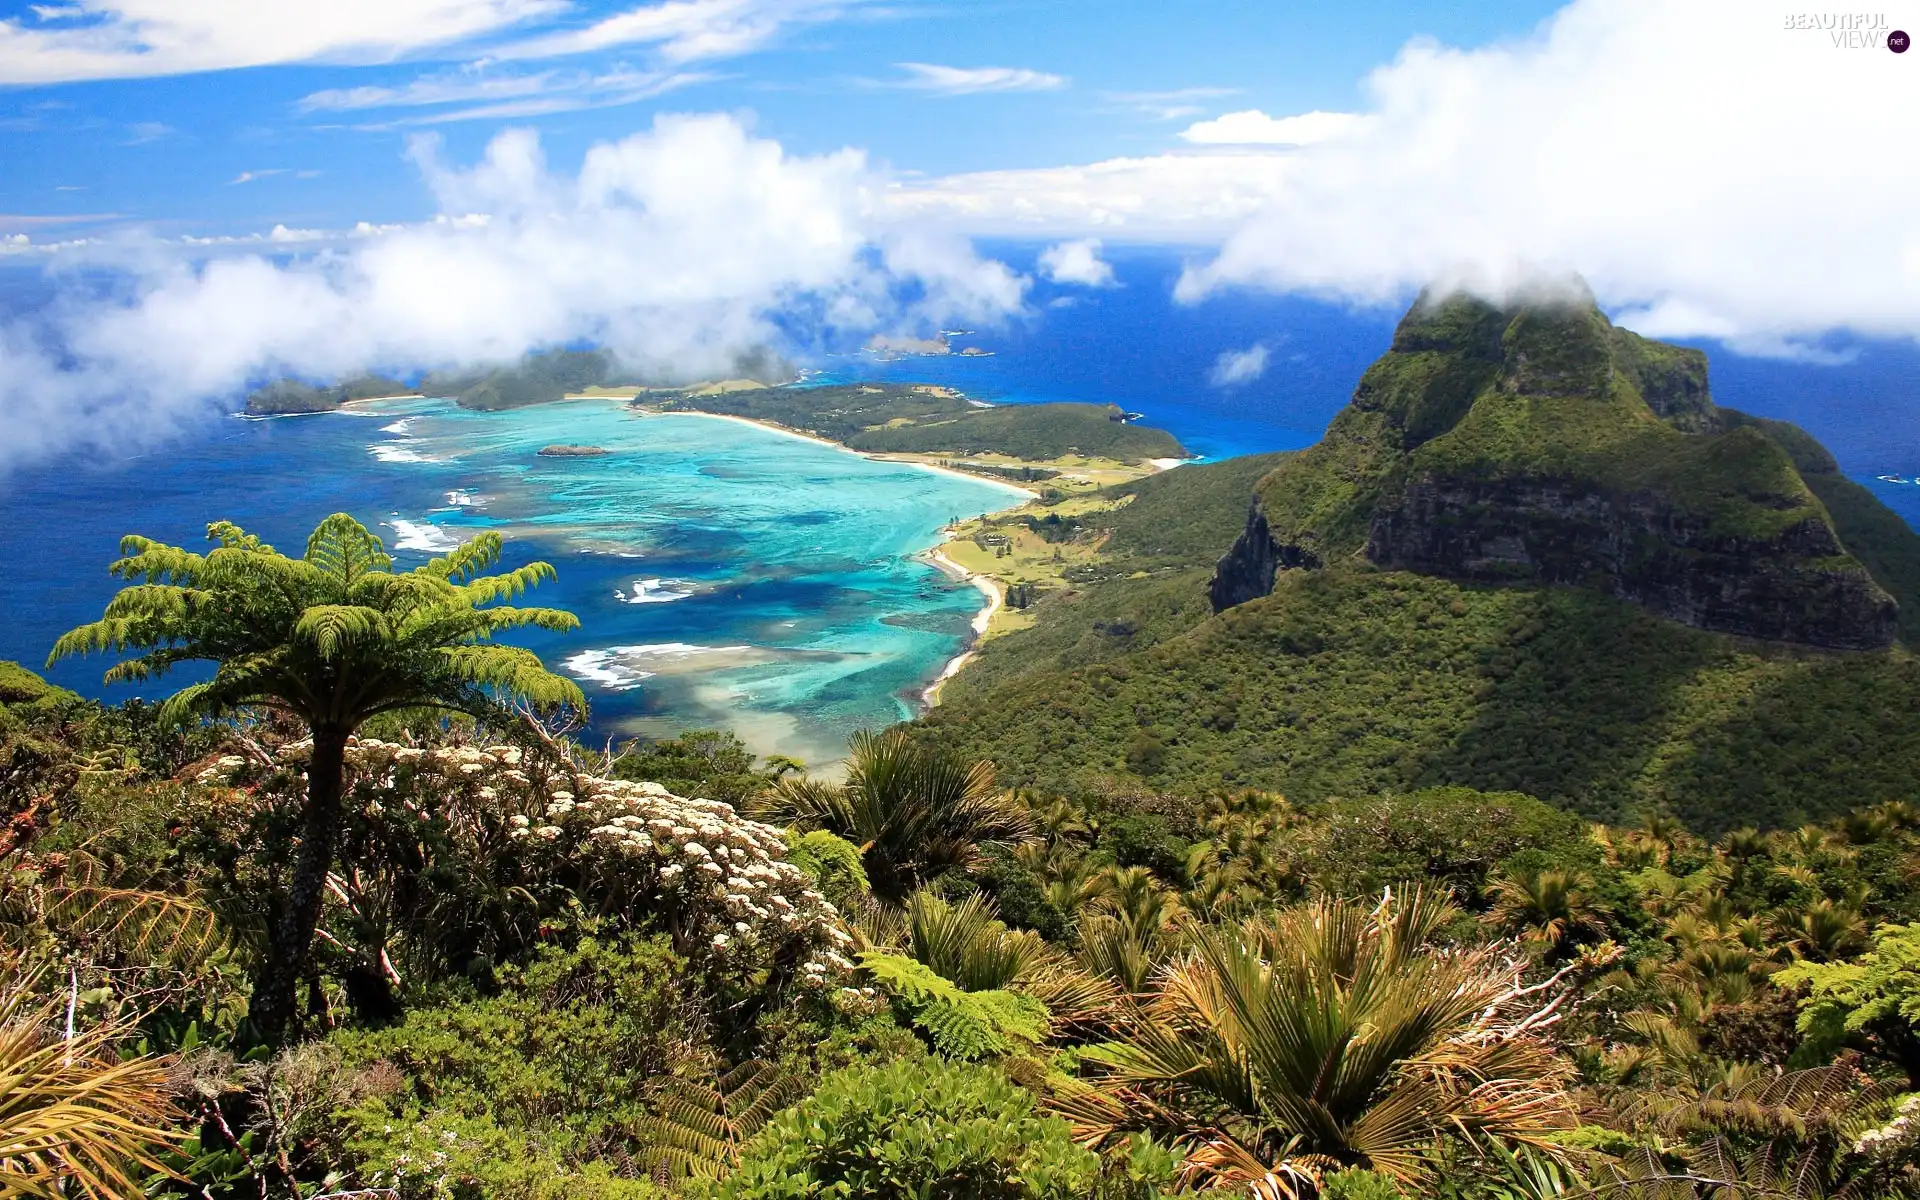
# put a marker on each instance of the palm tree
(1333, 1035)
(915, 812)
(1547, 908)
(332, 638)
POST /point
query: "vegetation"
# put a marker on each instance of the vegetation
(1349, 682)
(535, 379)
(287, 396)
(1381, 885)
(919, 419)
(332, 639)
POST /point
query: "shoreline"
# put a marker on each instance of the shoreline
(996, 597)
(870, 456)
(988, 587)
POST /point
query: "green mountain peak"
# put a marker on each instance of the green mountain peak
(1535, 442)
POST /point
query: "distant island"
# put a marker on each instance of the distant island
(1061, 443)
(289, 397)
(536, 379)
(573, 451)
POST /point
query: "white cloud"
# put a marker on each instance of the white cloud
(460, 88)
(1076, 262)
(1235, 367)
(1168, 197)
(676, 247)
(964, 81)
(1255, 128)
(1170, 105)
(119, 39)
(685, 31)
(479, 96)
(1699, 163)
(141, 132)
(132, 38)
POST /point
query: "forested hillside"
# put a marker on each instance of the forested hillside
(1424, 598)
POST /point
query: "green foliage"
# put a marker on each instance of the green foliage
(555, 1069)
(699, 1124)
(834, 864)
(1183, 518)
(1356, 682)
(333, 637)
(909, 418)
(1452, 834)
(1875, 997)
(709, 764)
(915, 1131)
(1333, 1034)
(284, 396)
(917, 812)
(960, 1024)
(535, 379)
(1357, 1183)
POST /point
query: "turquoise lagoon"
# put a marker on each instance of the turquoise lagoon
(726, 575)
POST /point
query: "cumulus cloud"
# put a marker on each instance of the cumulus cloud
(1255, 128)
(963, 81)
(679, 248)
(1076, 262)
(1235, 367)
(1702, 164)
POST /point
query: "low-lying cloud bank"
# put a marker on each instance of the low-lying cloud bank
(679, 248)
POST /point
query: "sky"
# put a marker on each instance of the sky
(218, 190)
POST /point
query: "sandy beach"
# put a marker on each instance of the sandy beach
(995, 598)
(770, 427)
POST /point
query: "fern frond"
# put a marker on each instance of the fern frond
(489, 588)
(345, 549)
(698, 1127)
(331, 627)
(466, 559)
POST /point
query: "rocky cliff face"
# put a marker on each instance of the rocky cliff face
(1537, 444)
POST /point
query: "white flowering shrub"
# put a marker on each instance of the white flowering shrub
(719, 883)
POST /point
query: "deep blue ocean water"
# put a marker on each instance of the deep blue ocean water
(734, 577)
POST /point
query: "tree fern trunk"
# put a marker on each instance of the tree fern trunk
(274, 999)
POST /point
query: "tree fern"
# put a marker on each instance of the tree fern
(333, 638)
(699, 1126)
(961, 1024)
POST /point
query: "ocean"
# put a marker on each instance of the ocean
(733, 577)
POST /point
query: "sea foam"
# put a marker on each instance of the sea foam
(654, 591)
(395, 452)
(420, 535)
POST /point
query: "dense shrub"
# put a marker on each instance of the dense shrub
(911, 1130)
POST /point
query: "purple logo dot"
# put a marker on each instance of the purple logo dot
(1898, 41)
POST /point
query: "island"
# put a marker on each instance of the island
(292, 397)
(573, 451)
(1073, 444)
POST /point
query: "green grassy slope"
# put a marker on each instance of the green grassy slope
(1352, 681)
(913, 419)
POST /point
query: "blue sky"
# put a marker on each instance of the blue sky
(217, 191)
(1130, 76)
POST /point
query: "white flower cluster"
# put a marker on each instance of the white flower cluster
(1895, 1139)
(722, 880)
